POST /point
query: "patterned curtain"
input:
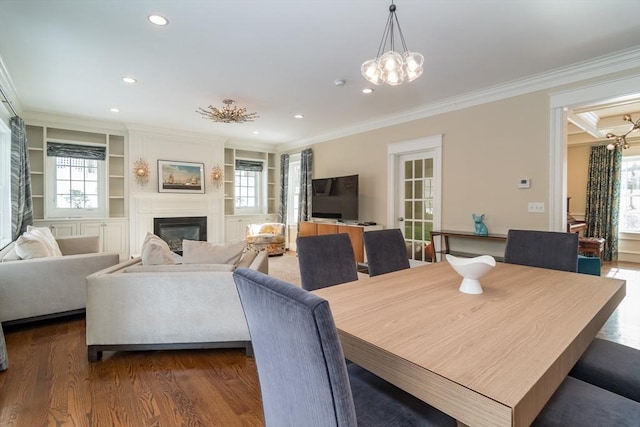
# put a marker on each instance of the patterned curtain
(603, 198)
(21, 203)
(306, 172)
(284, 188)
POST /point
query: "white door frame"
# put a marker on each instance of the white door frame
(560, 102)
(432, 145)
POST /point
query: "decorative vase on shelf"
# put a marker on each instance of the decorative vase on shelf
(471, 270)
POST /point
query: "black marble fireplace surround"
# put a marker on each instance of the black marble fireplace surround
(173, 230)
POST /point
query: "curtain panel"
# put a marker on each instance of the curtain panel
(603, 198)
(306, 174)
(21, 202)
(284, 189)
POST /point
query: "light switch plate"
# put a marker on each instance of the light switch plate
(536, 207)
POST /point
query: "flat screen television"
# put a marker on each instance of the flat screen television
(335, 198)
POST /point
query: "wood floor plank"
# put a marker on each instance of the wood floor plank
(50, 383)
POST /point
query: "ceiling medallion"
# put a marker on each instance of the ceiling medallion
(621, 140)
(227, 114)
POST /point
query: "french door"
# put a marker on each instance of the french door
(417, 204)
(415, 197)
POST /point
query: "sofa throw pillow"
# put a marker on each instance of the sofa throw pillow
(156, 252)
(29, 246)
(147, 239)
(47, 237)
(197, 252)
(11, 255)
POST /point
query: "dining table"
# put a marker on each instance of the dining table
(492, 359)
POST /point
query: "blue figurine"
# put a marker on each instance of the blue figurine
(481, 229)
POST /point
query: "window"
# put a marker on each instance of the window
(248, 186)
(76, 183)
(293, 198)
(630, 195)
(76, 180)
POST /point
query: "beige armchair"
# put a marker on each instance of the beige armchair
(268, 236)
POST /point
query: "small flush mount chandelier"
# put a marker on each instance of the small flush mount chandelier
(228, 114)
(392, 67)
(621, 140)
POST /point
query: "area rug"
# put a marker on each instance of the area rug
(285, 267)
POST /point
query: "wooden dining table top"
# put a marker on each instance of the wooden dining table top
(489, 359)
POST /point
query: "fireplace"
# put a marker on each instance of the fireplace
(174, 230)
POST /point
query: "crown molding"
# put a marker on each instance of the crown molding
(73, 123)
(619, 62)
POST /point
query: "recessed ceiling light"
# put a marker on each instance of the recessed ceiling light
(114, 110)
(298, 116)
(158, 20)
(129, 80)
(367, 90)
(255, 132)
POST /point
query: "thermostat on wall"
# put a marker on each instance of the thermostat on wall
(524, 183)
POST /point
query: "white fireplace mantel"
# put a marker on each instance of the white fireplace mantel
(146, 206)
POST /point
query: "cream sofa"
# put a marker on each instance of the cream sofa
(163, 307)
(40, 288)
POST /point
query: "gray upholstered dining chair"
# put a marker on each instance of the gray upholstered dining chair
(545, 249)
(386, 251)
(304, 379)
(577, 403)
(607, 365)
(303, 376)
(612, 366)
(325, 260)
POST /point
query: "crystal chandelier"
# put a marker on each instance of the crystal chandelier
(392, 67)
(227, 114)
(621, 140)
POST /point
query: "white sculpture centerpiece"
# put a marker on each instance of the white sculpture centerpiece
(471, 270)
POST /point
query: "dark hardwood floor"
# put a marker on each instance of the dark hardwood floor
(50, 382)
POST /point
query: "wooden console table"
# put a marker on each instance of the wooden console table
(355, 231)
(445, 234)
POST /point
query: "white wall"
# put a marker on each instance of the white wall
(145, 202)
(485, 150)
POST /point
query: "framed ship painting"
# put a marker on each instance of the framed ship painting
(180, 177)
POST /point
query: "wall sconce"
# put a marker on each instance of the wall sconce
(217, 176)
(141, 171)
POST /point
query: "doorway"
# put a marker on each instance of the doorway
(414, 196)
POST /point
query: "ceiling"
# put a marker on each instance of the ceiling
(590, 124)
(281, 57)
